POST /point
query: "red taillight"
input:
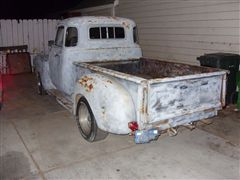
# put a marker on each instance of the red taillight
(133, 125)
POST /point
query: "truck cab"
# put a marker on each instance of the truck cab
(86, 39)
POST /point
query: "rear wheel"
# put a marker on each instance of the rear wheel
(87, 124)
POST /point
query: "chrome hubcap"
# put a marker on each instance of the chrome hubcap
(84, 118)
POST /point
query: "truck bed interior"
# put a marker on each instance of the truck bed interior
(152, 69)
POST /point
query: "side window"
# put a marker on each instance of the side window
(71, 37)
(59, 36)
(135, 35)
(106, 33)
(94, 33)
(110, 33)
(119, 33)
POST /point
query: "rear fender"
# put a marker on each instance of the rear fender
(110, 102)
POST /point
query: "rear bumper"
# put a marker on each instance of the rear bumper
(183, 120)
(152, 131)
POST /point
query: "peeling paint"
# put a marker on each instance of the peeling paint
(109, 81)
(125, 24)
(87, 83)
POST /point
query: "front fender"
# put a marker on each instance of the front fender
(110, 102)
(41, 65)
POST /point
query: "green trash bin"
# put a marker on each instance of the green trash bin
(228, 62)
(1, 91)
(238, 84)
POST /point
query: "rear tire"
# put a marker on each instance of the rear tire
(87, 124)
(40, 88)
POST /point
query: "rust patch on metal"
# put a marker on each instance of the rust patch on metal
(113, 17)
(90, 87)
(86, 82)
(144, 107)
(104, 117)
(109, 81)
(209, 110)
(85, 79)
(103, 110)
(125, 24)
(163, 122)
(223, 91)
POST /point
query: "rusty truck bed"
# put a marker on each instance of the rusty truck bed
(166, 94)
(152, 69)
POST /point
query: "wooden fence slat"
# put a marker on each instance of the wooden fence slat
(20, 32)
(55, 22)
(4, 32)
(45, 35)
(25, 32)
(40, 36)
(35, 37)
(30, 36)
(9, 33)
(15, 32)
(2, 37)
(50, 28)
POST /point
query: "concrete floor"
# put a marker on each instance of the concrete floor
(40, 140)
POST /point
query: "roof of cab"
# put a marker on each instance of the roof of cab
(96, 20)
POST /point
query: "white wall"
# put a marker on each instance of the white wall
(181, 30)
(34, 33)
(101, 12)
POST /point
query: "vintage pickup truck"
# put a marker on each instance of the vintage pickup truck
(96, 70)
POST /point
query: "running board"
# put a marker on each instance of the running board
(61, 99)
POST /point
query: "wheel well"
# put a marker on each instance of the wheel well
(77, 98)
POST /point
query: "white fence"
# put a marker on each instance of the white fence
(34, 33)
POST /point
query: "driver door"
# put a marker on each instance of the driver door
(55, 58)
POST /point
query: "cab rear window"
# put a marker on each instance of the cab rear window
(106, 33)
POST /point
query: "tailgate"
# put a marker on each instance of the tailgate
(171, 99)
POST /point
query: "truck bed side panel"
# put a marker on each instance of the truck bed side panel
(131, 86)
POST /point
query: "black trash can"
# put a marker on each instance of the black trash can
(228, 62)
(1, 91)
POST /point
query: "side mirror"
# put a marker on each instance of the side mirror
(50, 43)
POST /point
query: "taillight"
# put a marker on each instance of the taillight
(133, 125)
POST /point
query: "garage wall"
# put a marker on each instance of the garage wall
(102, 12)
(181, 30)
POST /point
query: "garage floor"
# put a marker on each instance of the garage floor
(39, 140)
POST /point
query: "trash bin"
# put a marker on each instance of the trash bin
(238, 84)
(1, 91)
(228, 62)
